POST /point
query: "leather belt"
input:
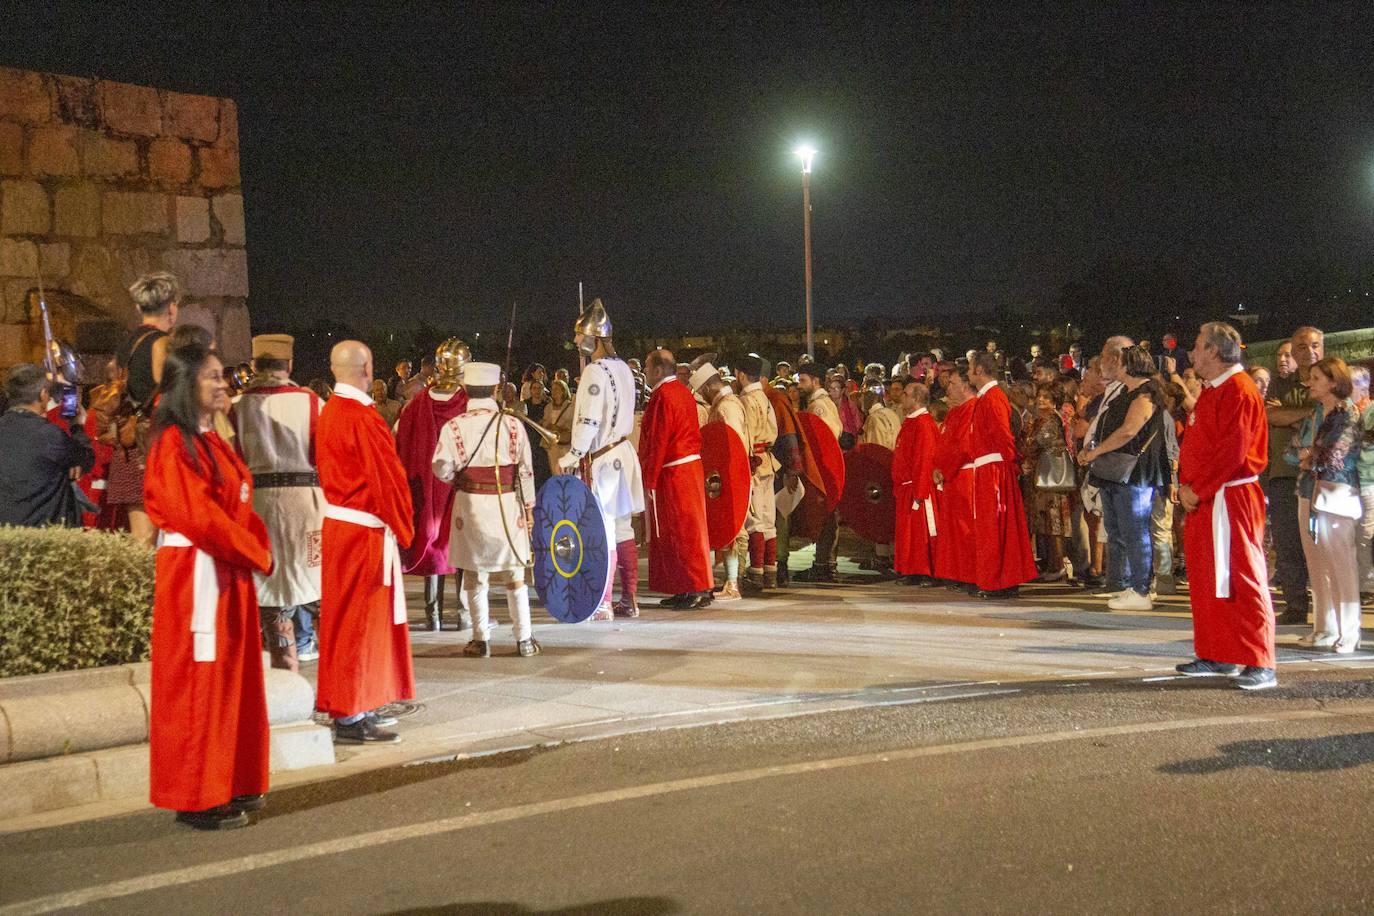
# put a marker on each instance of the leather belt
(484, 480)
(604, 449)
(286, 479)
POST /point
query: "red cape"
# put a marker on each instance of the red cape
(417, 433)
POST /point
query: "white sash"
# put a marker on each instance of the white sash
(1221, 536)
(989, 458)
(683, 460)
(391, 555)
(930, 516)
(204, 596)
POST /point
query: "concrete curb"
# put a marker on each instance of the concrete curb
(78, 737)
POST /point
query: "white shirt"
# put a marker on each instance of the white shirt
(986, 388)
(343, 389)
(1221, 379)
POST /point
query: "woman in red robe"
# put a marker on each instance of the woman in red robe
(913, 482)
(208, 719)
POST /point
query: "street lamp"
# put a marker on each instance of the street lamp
(807, 154)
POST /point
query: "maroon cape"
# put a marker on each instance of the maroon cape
(913, 485)
(675, 507)
(1002, 551)
(417, 433)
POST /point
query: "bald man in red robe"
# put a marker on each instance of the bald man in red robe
(1002, 550)
(675, 489)
(954, 555)
(1225, 448)
(913, 485)
(364, 637)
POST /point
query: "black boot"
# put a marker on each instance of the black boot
(434, 603)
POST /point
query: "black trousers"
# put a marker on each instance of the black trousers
(1290, 569)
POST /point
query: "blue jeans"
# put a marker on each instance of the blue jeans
(1126, 513)
(305, 624)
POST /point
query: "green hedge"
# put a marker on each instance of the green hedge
(72, 599)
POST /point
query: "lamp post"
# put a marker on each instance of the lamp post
(806, 154)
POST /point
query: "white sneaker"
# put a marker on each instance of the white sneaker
(1317, 640)
(1131, 600)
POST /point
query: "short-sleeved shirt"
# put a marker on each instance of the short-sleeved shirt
(1290, 392)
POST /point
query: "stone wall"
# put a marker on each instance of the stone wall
(102, 181)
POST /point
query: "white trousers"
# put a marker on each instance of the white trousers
(475, 589)
(763, 508)
(1334, 578)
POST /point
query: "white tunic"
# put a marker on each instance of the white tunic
(604, 412)
(274, 431)
(482, 438)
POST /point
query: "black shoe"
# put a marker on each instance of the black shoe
(699, 601)
(682, 600)
(224, 817)
(381, 719)
(816, 574)
(477, 648)
(784, 577)
(528, 648)
(1292, 617)
(363, 732)
(433, 620)
(1256, 678)
(998, 594)
(1096, 583)
(1201, 667)
(248, 802)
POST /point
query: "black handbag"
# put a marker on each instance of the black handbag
(1118, 466)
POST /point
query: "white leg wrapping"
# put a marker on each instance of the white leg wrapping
(518, 600)
(475, 590)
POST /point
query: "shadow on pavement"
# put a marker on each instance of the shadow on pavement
(623, 906)
(1287, 755)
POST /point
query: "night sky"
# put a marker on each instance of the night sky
(433, 164)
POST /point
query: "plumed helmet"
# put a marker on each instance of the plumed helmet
(594, 322)
(450, 357)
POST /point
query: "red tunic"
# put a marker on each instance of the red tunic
(417, 433)
(207, 724)
(92, 483)
(1228, 439)
(1001, 534)
(954, 503)
(675, 511)
(364, 656)
(913, 484)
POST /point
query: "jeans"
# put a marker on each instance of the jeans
(303, 617)
(1126, 512)
(1290, 566)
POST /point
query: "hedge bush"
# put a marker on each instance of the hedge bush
(72, 599)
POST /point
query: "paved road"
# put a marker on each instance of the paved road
(1076, 796)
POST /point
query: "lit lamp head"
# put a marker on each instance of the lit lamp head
(449, 359)
(806, 153)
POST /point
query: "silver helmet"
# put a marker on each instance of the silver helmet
(594, 322)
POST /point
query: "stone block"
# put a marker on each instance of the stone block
(76, 210)
(210, 272)
(169, 161)
(131, 109)
(106, 157)
(98, 275)
(235, 338)
(191, 117)
(229, 213)
(18, 258)
(77, 101)
(11, 148)
(299, 745)
(133, 212)
(219, 168)
(24, 96)
(15, 296)
(47, 785)
(52, 151)
(55, 724)
(122, 772)
(55, 259)
(24, 209)
(193, 219)
(290, 697)
(228, 125)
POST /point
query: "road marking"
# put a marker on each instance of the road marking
(192, 874)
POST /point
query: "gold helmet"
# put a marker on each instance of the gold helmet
(594, 322)
(449, 359)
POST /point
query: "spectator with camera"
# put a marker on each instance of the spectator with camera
(40, 459)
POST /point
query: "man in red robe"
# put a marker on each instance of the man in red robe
(1002, 550)
(913, 484)
(675, 510)
(954, 554)
(1224, 450)
(364, 639)
(417, 434)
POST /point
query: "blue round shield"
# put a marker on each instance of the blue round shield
(569, 539)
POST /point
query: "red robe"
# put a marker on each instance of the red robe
(913, 485)
(364, 656)
(1002, 548)
(1228, 439)
(954, 503)
(207, 723)
(675, 510)
(417, 433)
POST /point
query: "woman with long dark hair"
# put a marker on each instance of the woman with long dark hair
(208, 718)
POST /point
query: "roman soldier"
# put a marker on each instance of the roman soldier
(816, 400)
(603, 418)
(762, 426)
(725, 406)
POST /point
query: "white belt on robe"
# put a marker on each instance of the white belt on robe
(99, 484)
(930, 509)
(204, 596)
(1221, 535)
(989, 458)
(683, 460)
(391, 554)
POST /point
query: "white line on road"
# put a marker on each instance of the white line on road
(341, 845)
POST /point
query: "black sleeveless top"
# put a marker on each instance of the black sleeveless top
(136, 355)
(1149, 442)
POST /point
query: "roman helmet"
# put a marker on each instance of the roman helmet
(449, 359)
(592, 324)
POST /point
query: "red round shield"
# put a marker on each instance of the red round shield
(867, 505)
(819, 501)
(725, 464)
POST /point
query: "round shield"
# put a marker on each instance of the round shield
(569, 541)
(819, 501)
(867, 504)
(726, 466)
